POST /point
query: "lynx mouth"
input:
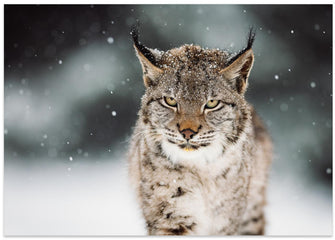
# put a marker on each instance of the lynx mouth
(188, 147)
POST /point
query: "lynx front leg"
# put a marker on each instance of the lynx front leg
(172, 224)
(255, 225)
(166, 218)
(171, 210)
(253, 222)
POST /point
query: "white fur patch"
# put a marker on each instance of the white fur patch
(200, 156)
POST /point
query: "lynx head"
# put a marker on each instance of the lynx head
(194, 104)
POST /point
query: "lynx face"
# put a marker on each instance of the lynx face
(194, 104)
(191, 120)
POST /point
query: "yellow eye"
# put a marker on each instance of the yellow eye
(170, 101)
(212, 103)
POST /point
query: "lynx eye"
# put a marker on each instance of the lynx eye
(170, 101)
(212, 104)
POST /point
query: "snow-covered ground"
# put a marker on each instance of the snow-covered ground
(82, 198)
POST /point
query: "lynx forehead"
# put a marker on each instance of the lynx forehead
(190, 69)
(199, 154)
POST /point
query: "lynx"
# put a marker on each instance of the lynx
(199, 155)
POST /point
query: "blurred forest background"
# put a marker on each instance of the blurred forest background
(72, 90)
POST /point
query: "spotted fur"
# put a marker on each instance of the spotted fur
(213, 181)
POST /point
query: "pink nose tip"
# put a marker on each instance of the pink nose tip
(188, 134)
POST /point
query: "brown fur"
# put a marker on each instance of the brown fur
(199, 170)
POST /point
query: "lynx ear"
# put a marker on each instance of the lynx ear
(148, 59)
(238, 71)
(239, 67)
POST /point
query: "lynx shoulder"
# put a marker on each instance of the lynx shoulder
(199, 155)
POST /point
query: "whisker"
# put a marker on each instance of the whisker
(206, 137)
(170, 130)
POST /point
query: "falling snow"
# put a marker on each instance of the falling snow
(60, 62)
(276, 77)
(313, 84)
(110, 40)
(113, 113)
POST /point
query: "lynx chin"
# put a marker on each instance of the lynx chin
(199, 155)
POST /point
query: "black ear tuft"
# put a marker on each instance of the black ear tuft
(143, 49)
(134, 34)
(251, 39)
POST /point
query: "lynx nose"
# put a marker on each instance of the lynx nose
(188, 133)
(188, 129)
